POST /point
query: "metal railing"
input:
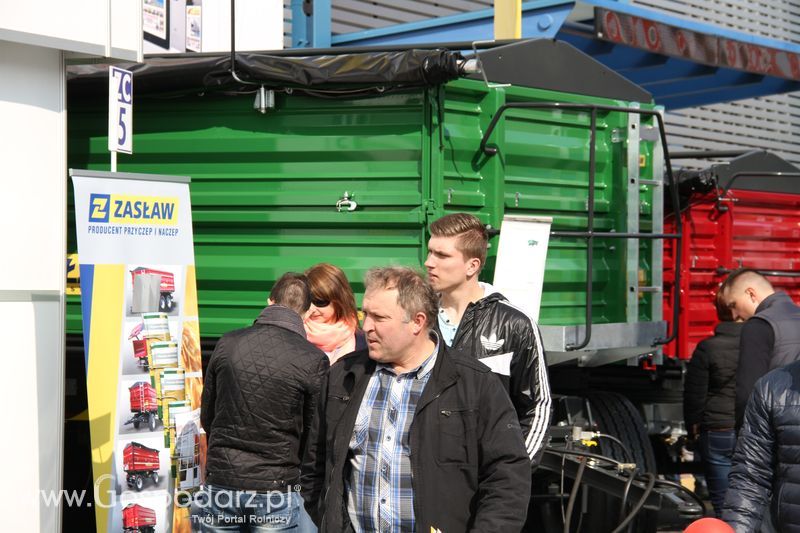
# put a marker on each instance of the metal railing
(590, 234)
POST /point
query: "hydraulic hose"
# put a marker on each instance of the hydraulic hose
(651, 482)
(692, 495)
(625, 493)
(573, 495)
(628, 455)
(585, 454)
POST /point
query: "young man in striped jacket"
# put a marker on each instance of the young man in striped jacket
(476, 319)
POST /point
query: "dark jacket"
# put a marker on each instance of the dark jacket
(470, 469)
(766, 464)
(709, 391)
(770, 339)
(506, 339)
(259, 398)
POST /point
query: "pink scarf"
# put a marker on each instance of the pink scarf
(336, 339)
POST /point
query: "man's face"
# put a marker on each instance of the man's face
(742, 302)
(390, 335)
(446, 265)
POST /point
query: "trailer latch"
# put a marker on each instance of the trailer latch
(346, 203)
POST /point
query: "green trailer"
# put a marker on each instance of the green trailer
(351, 170)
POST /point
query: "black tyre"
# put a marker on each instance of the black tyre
(155, 478)
(162, 304)
(615, 415)
(138, 482)
(169, 303)
(151, 421)
(136, 424)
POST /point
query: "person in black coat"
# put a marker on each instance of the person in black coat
(411, 436)
(765, 478)
(770, 336)
(709, 400)
(259, 398)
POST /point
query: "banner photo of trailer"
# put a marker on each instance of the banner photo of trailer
(141, 330)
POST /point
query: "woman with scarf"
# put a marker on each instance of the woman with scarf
(332, 320)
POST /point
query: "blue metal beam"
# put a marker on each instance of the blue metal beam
(311, 23)
(700, 27)
(675, 69)
(540, 18)
(712, 95)
(674, 82)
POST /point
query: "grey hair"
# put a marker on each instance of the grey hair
(414, 293)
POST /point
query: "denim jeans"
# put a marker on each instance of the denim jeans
(716, 452)
(218, 509)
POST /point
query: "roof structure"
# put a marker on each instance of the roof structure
(681, 63)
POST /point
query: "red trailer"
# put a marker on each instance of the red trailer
(139, 346)
(140, 353)
(140, 462)
(138, 519)
(167, 287)
(745, 213)
(144, 405)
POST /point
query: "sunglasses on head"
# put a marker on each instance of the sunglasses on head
(319, 302)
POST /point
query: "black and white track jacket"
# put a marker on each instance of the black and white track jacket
(505, 339)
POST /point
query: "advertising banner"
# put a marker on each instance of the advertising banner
(142, 338)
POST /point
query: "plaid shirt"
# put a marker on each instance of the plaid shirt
(380, 495)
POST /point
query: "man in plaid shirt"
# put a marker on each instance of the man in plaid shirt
(411, 436)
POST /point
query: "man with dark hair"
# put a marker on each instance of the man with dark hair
(771, 334)
(412, 436)
(259, 398)
(478, 320)
(293, 292)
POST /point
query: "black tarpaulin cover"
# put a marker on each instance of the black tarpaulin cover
(185, 74)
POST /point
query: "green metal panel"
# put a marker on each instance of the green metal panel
(541, 168)
(264, 187)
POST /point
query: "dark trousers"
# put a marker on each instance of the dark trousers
(716, 452)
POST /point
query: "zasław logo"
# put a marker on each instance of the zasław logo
(131, 209)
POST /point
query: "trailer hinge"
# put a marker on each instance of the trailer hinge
(649, 133)
(429, 208)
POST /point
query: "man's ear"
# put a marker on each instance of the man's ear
(751, 293)
(420, 322)
(473, 266)
(270, 301)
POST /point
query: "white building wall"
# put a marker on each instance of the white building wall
(32, 278)
(34, 38)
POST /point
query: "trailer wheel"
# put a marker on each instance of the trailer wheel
(151, 421)
(615, 415)
(136, 424)
(138, 482)
(162, 304)
(155, 478)
(168, 302)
